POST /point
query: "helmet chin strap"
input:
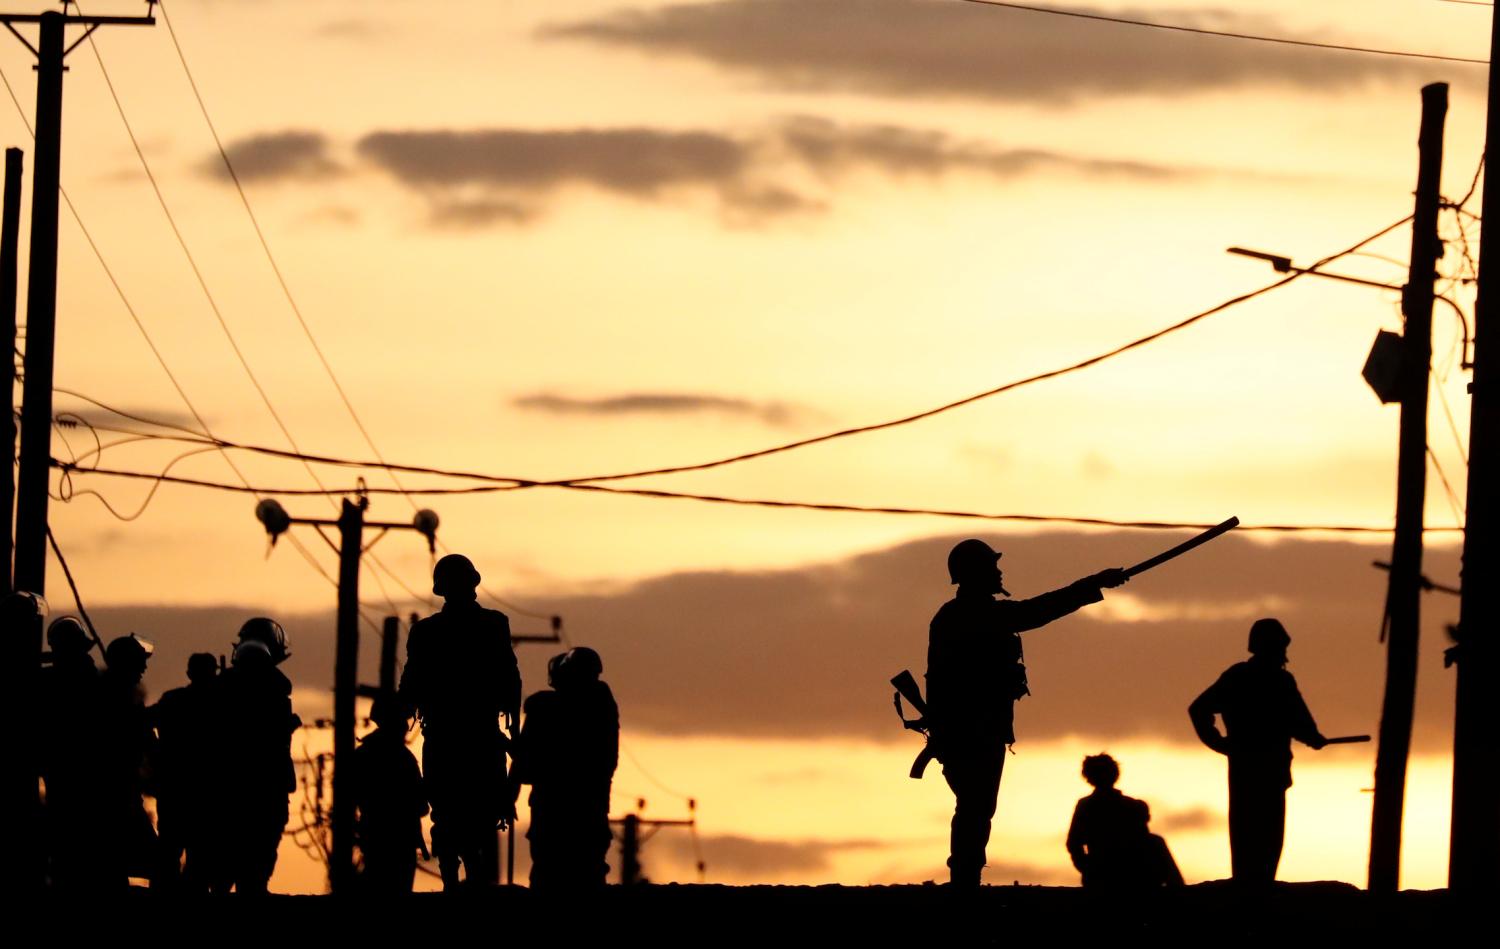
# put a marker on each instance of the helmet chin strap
(1003, 591)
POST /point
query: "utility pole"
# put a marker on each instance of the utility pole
(41, 292)
(390, 638)
(1403, 599)
(351, 526)
(10, 230)
(630, 838)
(1474, 849)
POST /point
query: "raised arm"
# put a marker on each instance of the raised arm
(1041, 610)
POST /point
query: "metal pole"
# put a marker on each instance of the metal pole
(41, 315)
(10, 229)
(390, 636)
(1474, 852)
(630, 851)
(1403, 600)
(345, 685)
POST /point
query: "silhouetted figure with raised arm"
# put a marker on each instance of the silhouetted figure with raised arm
(1110, 839)
(389, 800)
(568, 750)
(461, 677)
(70, 743)
(256, 723)
(1262, 711)
(128, 846)
(187, 776)
(974, 677)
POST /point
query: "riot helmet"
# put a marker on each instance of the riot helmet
(67, 635)
(1268, 638)
(267, 632)
(454, 574)
(251, 653)
(971, 559)
(128, 654)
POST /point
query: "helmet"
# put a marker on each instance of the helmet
(267, 632)
(969, 556)
(66, 634)
(128, 649)
(452, 574)
(202, 665)
(555, 672)
(583, 663)
(389, 710)
(1268, 636)
(251, 652)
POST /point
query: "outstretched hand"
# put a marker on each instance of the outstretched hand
(1113, 577)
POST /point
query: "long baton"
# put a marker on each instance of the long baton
(1184, 547)
(1348, 739)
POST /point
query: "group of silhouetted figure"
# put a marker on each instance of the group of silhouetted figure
(216, 753)
(216, 756)
(976, 674)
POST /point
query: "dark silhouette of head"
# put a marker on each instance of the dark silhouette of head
(267, 632)
(454, 578)
(251, 654)
(975, 565)
(578, 666)
(1101, 771)
(1268, 641)
(126, 657)
(202, 667)
(67, 637)
(388, 711)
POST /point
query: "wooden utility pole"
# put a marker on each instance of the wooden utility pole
(10, 229)
(351, 525)
(1403, 599)
(41, 287)
(1474, 850)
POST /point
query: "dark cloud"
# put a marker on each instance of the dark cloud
(94, 416)
(276, 156)
(663, 403)
(935, 48)
(1198, 818)
(747, 858)
(463, 214)
(639, 162)
(806, 653)
(787, 168)
(830, 148)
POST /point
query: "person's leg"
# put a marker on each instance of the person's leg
(974, 776)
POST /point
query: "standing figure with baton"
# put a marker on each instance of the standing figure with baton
(975, 675)
(1262, 711)
(974, 678)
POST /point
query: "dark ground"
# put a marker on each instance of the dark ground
(1205, 914)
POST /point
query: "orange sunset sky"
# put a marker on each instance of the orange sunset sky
(543, 240)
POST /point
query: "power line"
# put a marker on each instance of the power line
(77, 600)
(141, 327)
(1226, 34)
(1453, 500)
(514, 483)
(756, 502)
(291, 299)
(203, 284)
(1029, 380)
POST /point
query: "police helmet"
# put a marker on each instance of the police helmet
(389, 710)
(67, 635)
(129, 649)
(251, 652)
(201, 666)
(970, 558)
(1268, 636)
(267, 632)
(583, 663)
(452, 574)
